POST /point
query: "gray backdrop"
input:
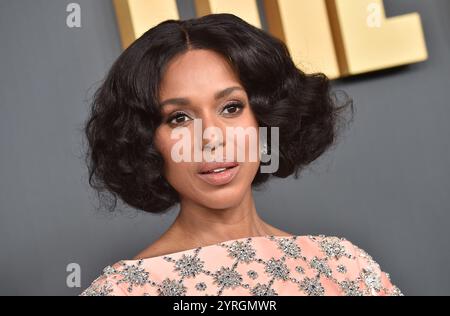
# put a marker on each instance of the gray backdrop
(385, 187)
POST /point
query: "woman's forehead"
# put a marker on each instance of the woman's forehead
(197, 70)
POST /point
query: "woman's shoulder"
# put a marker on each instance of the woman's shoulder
(332, 260)
(356, 264)
(106, 284)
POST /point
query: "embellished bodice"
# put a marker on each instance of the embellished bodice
(262, 265)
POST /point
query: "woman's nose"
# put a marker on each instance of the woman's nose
(213, 133)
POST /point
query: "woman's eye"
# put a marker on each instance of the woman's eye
(177, 118)
(233, 107)
(230, 109)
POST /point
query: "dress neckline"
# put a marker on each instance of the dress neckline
(229, 241)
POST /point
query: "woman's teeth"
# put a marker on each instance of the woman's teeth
(218, 170)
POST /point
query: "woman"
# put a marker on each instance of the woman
(225, 73)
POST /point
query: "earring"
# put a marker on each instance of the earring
(264, 150)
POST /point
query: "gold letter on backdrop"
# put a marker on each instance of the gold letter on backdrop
(303, 25)
(337, 37)
(135, 17)
(245, 9)
(366, 40)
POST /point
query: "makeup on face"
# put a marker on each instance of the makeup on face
(218, 173)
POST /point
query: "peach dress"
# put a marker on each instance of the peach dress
(258, 266)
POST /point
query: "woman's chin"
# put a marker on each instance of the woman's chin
(221, 200)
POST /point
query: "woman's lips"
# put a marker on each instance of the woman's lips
(220, 178)
(209, 166)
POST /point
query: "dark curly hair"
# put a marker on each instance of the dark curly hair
(125, 113)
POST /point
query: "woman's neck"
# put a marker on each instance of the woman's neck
(197, 225)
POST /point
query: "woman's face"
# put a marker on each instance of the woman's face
(197, 76)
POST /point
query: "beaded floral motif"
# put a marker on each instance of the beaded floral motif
(252, 274)
(351, 288)
(312, 286)
(241, 251)
(98, 290)
(333, 248)
(189, 266)
(289, 247)
(300, 269)
(171, 288)
(277, 269)
(341, 268)
(263, 290)
(321, 267)
(201, 286)
(227, 277)
(259, 266)
(133, 275)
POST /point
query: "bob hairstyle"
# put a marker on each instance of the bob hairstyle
(125, 113)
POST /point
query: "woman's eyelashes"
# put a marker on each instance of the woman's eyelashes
(174, 117)
(236, 106)
(232, 109)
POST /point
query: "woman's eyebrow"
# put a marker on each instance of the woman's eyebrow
(185, 101)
